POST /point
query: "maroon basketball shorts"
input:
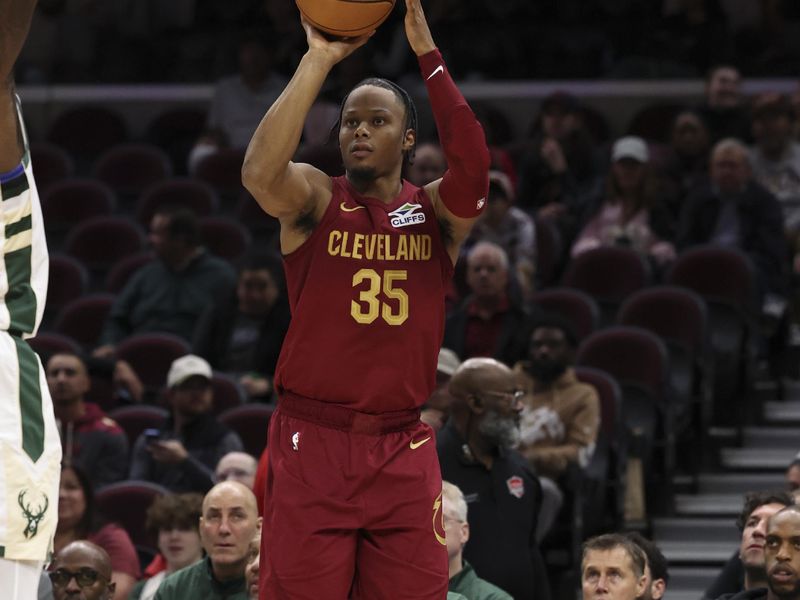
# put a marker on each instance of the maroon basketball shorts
(353, 507)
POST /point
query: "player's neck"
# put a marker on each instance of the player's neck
(384, 189)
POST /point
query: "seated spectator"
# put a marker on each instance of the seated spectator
(655, 570)
(168, 294)
(173, 520)
(776, 156)
(463, 579)
(239, 100)
(251, 570)
(781, 558)
(242, 335)
(436, 410)
(476, 454)
(723, 108)
(561, 415)
(612, 567)
(82, 570)
(78, 519)
(428, 164)
(734, 210)
(87, 433)
(192, 441)
(489, 322)
(560, 168)
(236, 466)
(510, 228)
(746, 569)
(629, 212)
(686, 163)
(228, 523)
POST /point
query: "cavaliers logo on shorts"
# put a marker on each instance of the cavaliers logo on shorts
(438, 520)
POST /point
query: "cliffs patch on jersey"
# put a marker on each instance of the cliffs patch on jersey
(406, 215)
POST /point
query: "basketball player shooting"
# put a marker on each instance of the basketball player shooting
(30, 450)
(353, 499)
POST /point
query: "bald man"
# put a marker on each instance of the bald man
(82, 570)
(476, 452)
(782, 554)
(237, 466)
(227, 525)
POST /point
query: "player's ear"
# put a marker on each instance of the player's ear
(409, 140)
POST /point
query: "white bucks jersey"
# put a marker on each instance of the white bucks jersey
(30, 450)
(23, 285)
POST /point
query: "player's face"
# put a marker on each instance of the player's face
(180, 547)
(751, 550)
(373, 136)
(782, 554)
(609, 575)
(66, 378)
(71, 500)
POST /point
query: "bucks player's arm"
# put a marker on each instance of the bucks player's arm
(293, 192)
(15, 20)
(458, 197)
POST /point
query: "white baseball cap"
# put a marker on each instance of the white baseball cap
(630, 146)
(187, 366)
(448, 362)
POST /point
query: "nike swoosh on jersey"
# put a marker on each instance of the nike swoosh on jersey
(346, 208)
(414, 445)
(439, 69)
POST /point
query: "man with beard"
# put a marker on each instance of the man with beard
(746, 570)
(476, 452)
(560, 417)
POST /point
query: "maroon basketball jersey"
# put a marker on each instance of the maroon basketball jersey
(367, 296)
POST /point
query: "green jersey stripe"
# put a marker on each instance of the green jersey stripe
(30, 401)
(14, 187)
(21, 299)
(24, 224)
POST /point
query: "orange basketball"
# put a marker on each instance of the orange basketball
(345, 18)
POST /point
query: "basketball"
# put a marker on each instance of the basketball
(345, 18)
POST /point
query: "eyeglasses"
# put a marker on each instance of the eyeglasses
(84, 577)
(514, 396)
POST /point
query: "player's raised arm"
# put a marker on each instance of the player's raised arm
(15, 20)
(285, 189)
(460, 195)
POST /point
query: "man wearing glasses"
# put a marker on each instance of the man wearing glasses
(476, 452)
(82, 570)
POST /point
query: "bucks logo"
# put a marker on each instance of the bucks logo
(33, 517)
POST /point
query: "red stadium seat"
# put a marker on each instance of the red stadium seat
(151, 354)
(83, 318)
(51, 163)
(193, 194)
(126, 503)
(121, 271)
(135, 419)
(225, 237)
(129, 169)
(251, 422)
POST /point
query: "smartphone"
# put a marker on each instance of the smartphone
(152, 435)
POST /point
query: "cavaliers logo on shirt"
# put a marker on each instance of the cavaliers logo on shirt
(407, 215)
(516, 487)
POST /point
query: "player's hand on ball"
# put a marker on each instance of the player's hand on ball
(417, 30)
(335, 49)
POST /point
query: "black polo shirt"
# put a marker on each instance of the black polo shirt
(503, 505)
